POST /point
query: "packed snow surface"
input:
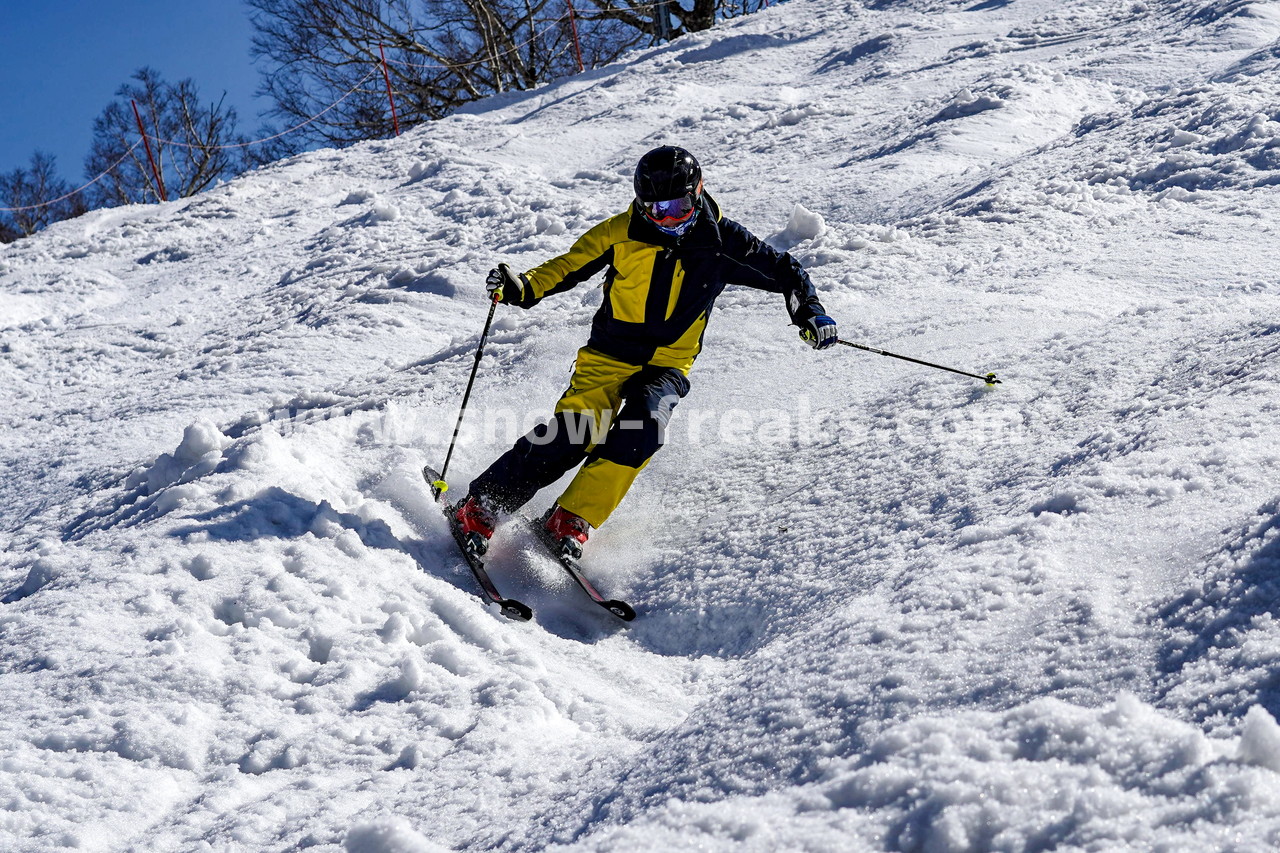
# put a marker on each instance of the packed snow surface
(882, 607)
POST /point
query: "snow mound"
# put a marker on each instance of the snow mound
(391, 835)
(803, 225)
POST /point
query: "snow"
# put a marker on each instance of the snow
(881, 607)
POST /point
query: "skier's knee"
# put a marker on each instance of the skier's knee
(634, 440)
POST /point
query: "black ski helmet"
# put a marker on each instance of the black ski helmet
(666, 173)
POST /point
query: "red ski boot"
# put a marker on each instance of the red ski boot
(567, 530)
(476, 521)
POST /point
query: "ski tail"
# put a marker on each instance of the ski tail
(435, 480)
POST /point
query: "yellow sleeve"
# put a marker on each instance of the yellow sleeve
(591, 253)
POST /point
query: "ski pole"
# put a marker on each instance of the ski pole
(439, 487)
(990, 378)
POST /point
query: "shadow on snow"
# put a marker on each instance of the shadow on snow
(1215, 627)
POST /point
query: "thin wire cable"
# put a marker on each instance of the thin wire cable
(113, 166)
(536, 35)
(111, 169)
(349, 93)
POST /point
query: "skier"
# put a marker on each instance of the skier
(665, 259)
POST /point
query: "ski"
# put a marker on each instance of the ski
(509, 607)
(618, 608)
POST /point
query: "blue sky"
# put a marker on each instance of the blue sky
(62, 61)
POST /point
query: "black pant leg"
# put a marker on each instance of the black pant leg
(535, 461)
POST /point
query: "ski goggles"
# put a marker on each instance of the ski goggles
(669, 213)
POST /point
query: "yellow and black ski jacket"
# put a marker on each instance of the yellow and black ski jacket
(659, 290)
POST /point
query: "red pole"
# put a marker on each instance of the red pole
(386, 75)
(147, 141)
(577, 48)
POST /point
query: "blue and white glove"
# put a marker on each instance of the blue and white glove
(819, 332)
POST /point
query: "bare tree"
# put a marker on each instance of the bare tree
(35, 197)
(440, 55)
(668, 19)
(325, 56)
(193, 144)
(727, 9)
